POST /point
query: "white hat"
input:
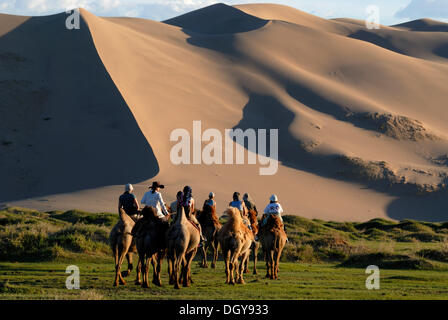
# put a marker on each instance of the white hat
(211, 195)
(273, 198)
(128, 187)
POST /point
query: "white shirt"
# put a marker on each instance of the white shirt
(274, 208)
(155, 200)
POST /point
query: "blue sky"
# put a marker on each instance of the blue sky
(391, 11)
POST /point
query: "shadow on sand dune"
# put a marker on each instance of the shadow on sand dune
(424, 25)
(376, 39)
(427, 208)
(67, 125)
(266, 112)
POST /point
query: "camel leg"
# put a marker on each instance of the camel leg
(143, 267)
(271, 264)
(189, 268)
(215, 254)
(171, 270)
(277, 261)
(274, 264)
(244, 262)
(159, 270)
(130, 265)
(266, 258)
(177, 263)
(187, 271)
(117, 259)
(145, 283)
(255, 251)
(246, 266)
(227, 262)
(138, 280)
(233, 268)
(118, 277)
(157, 266)
(231, 279)
(126, 244)
(204, 255)
(154, 271)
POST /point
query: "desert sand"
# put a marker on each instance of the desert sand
(362, 114)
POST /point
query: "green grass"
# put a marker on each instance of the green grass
(322, 260)
(297, 281)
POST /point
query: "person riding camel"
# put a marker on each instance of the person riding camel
(210, 201)
(153, 198)
(187, 201)
(274, 207)
(240, 205)
(128, 202)
(174, 204)
(250, 204)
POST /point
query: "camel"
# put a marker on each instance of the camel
(255, 244)
(151, 245)
(122, 245)
(210, 226)
(182, 241)
(273, 240)
(235, 240)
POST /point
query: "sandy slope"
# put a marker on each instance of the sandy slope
(250, 66)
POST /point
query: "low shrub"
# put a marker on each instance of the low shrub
(433, 254)
(386, 261)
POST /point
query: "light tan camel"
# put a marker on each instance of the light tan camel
(210, 226)
(273, 240)
(149, 233)
(122, 245)
(182, 241)
(235, 240)
(255, 244)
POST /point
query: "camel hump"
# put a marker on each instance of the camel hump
(274, 223)
(208, 216)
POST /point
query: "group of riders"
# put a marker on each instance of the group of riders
(153, 198)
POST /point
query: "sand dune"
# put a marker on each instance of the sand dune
(424, 25)
(361, 113)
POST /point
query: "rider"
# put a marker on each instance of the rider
(250, 204)
(210, 201)
(240, 205)
(187, 201)
(173, 205)
(128, 202)
(274, 207)
(152, 198)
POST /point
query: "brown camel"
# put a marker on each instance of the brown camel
(210, 226)
(255, 244)
(235, 239)
(273, 240)
(149, 234)
(182, 241)
(122, 245)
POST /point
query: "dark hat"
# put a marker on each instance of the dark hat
(156, 184)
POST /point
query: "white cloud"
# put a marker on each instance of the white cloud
(424, 9)
(153, 9)
(165, 9)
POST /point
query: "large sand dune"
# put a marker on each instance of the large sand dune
(361, 113)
